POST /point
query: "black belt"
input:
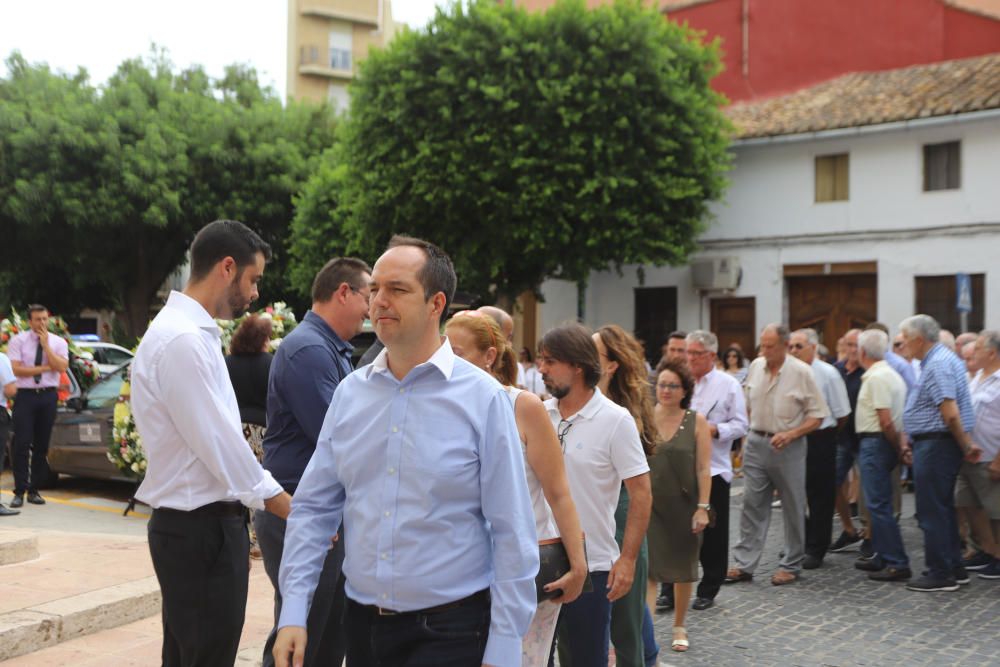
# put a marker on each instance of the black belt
(481, 596)
(823, 430)
(221, 508)
(870, 434)
(763, 434)
(932, 435)
(40, 390)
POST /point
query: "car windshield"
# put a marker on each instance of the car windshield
(105, 392)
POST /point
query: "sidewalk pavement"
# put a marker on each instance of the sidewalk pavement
(82, 582)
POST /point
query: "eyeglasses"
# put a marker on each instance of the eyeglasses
(561, 431)
(672, 386)
(797, 346)
(697, 353)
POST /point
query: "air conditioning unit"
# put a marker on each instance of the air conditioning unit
(716, 273)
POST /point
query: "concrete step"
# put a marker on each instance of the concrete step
(17, 547)
(36, 627)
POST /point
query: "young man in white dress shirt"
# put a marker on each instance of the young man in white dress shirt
(201, 471)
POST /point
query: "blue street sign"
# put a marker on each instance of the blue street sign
(963, 287)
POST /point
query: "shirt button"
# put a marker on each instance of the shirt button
(387, 512)
(384, 596)
(384, 555)
(392, 471)
(402, 391)
(395, 429)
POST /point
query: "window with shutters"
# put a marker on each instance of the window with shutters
(943, 166)
(831, 177)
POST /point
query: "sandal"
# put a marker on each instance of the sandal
(680, 644)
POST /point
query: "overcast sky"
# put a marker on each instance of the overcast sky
(100, 34)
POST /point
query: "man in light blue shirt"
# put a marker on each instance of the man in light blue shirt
(938, 418)
(420, 456)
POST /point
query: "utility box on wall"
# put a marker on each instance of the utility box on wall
(715, 273)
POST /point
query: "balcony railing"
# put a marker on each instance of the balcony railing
(316, 59)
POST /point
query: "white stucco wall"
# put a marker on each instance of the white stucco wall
(769, 217)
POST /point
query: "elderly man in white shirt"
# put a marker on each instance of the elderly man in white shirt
(201, 472)
(821, 455)
(978, 488)
(719, 398)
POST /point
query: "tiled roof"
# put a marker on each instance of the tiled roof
(990, 8)
(869, 98)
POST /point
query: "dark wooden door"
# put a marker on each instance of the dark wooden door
(655, 318)
(734, 320)
(832, 304)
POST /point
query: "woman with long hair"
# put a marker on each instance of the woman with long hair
(625, 381)
(477, 338)
(680, 472)
(734, 363)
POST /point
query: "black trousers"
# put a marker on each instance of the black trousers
(455, 637)
(326, 643)
(34, 415)
(202, 565)
(714, 554)
(821, 489)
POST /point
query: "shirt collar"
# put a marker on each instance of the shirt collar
(591, 408)
(194, 311)
(874, 368)
(443, 360)
(327, 331)
(930, 353)
(707, 377)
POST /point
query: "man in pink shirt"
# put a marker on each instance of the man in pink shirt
(37, 358)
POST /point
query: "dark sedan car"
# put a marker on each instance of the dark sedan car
(83, 428)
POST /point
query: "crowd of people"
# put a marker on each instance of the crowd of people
(453, 502)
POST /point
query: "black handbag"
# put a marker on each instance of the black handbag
(553, 563)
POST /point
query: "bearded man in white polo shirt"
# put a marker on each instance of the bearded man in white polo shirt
(602, 450)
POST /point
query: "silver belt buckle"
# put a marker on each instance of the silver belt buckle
(386, 612)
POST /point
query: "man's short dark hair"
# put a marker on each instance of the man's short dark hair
(35, 308)
(573, 344)
(437, 274)
(678, 334)
(225, 238)
(878, 326)
(334, 273)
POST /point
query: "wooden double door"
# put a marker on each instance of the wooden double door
(832, 304)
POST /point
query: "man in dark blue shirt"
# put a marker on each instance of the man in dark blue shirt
(307, 368)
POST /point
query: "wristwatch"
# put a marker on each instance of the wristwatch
(705, 506)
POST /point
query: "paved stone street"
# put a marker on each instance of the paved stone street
(835, 616)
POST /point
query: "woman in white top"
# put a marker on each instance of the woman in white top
(479, 340)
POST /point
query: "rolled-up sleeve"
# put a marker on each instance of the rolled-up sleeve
(507, 506)
(206, 425)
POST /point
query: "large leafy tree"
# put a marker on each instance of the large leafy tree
(529, 145)
(102, 189)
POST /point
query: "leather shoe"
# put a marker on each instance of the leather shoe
(872, 565)
(736, 575)
(8, 512)
(17, 501)
(700, 604)
(782, 577)
(811, 562)
(665, 603)
(35, 499)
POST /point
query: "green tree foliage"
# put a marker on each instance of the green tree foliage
(529, 145)
(102, 189)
